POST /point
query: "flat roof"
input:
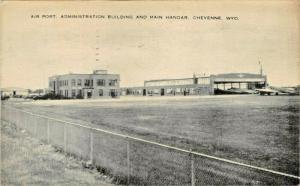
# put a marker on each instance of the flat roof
(155, 80)
(13, 88)
(83, 75)
(239, 75)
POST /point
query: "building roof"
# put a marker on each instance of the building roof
(155, 80)
(13, 89)
(238, 78)
(83, 75)
(239, 75)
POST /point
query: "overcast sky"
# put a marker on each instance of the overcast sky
(138, 50)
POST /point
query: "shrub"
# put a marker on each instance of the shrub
(4, 97)
(50, 96)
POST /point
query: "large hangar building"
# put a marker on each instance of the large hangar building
(230, 83)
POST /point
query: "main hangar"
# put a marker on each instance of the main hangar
(230, 83)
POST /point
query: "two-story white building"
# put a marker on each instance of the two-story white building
(99, 84)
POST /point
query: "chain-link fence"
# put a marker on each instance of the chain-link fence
(135, 161)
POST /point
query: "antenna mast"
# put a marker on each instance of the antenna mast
(97, 47)
(261, 69)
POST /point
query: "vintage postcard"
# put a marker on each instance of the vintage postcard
(150, 92)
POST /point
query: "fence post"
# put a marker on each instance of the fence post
(192, 169)
(35, 125)
(24, 120)
(15, 117)
(128, 160)
(11, 116)
(3, 112)
(221, 136)
(65, 138)
(8, 115)
(18, 118)
(31, 123)
(91, 146)
(48, 132)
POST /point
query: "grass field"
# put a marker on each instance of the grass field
(258, 130)
(25, 161)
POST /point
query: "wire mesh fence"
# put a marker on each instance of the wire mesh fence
(135, 161)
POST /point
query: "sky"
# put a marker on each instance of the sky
(32, 49)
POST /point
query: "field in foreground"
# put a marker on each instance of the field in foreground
(24, 161)
(257, 130)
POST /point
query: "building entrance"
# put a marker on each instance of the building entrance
(113, 93)
(162, 92)
(89, 94)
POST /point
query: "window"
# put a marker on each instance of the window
(79, 94)
(150, 92)
(87, 82)
(73, 82)
(73, 93)
(100, 92)
(66, 93)
(112, 82)
(78, 82)
(100, 82)
(204, 80)
(65, 83)
(169, 91)
(113, 93)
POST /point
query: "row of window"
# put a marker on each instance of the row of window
(251, 85)
(172, 82)
(85, 82)
(64, 93)
(112, 92)
(63, 83)
(166, 91)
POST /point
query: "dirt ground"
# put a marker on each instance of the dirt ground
(26, 161)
